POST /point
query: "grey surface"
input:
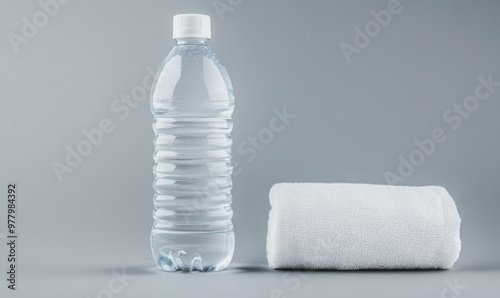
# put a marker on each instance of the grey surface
(352, 122)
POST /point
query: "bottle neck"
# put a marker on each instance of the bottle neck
(191, 41)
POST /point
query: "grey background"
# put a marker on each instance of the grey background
(352, 122)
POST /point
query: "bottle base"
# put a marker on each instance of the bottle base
(192, 251)
(172, 263)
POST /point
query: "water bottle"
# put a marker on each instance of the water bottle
(192, 101)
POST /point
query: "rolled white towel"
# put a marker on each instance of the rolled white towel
(361, 226)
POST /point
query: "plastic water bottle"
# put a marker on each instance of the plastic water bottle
(192, 101)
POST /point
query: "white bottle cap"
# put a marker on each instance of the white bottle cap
(192, 25)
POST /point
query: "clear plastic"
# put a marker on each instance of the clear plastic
(192, 101)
